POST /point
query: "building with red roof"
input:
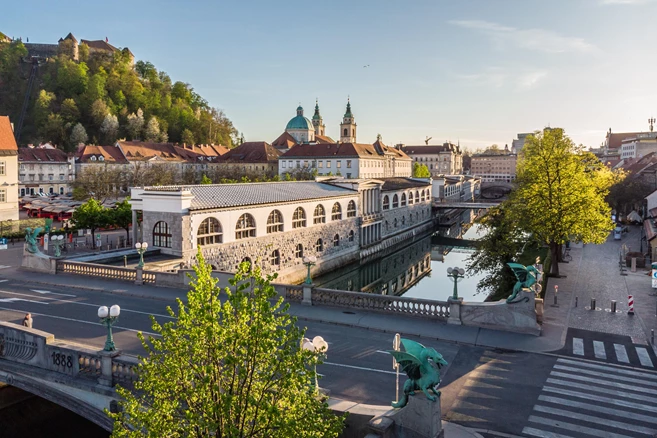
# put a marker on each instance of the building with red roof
(8, 171)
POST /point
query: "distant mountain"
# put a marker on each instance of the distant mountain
(93, 92)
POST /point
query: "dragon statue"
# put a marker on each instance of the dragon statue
(31, 239)
(527, 276)
(421, 374)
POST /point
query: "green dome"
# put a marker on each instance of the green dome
(299, 122)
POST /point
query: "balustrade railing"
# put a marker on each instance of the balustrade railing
(148, 277)
(381, 303)
(89, 365)
(294, 293)
(95, 270)
(124, 370)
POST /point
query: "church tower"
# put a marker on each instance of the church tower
(348, 126)
(318, 122)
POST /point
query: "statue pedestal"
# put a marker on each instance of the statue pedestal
(420, 418)
(38, 262)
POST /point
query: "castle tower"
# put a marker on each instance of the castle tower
(318, 122)
(348, 126)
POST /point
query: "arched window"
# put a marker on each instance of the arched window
(247, 260)
(275, 258)
(298, 253)
(351, 235)
(245, 227)
(336, 212)
(161, 235)
(319, 245)
(209, 232)
(351, 209)
(422, 196)
(386, 202)
(410, 198)
(336, 240)
(299, 218)
(403, 200)
(320, 215)
(275, 222)
(395, 201)
(346, 132)
(417, 196)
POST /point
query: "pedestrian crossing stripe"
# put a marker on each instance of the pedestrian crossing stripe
(4, 266)
(605, 401)
(600, 352)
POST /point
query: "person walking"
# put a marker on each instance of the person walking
(27, 321)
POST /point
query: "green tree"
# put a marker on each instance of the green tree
(110, 128)
(152, 131)
(121, 216)
(421, 171)
(206, 180)
(98, 112)
(98, 181)
(54, 129)
(91, 215)
(561, 193)
(231, 369)
(628, 194)
(69, 111)
(78, 135)
(135, 124)
(188, 137)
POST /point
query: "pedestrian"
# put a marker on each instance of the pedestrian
(27, 321)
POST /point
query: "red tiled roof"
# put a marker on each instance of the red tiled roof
(323, 139)
(40, 154)
(344, 150)
(636, 165)
(99, 45)
(284, 140)
(428, 150)
(252, 152)
(110, 154)
(7, 141)
(615, 140)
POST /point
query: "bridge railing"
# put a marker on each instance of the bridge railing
(96, 270)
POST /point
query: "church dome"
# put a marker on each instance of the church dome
(299, 122)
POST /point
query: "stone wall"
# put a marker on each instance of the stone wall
(175, 221)
(43, 50)
(420, 213)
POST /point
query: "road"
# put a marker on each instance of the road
(518, 394)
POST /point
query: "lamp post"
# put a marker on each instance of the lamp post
(58, 241)
(455, 274)
(317, 346)
(108, 317)
(309, 261)
(141, 249)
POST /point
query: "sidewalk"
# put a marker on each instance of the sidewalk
(593, 272)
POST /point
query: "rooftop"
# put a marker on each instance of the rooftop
(7, 141)
(390, 184)
(233, 195)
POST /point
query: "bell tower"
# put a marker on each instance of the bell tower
(318, 122)
(348, 126)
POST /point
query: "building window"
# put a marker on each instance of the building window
(328, 164)
(298, 253)
(403, 200)
(417, 196)
(338, 164)
(61, 177)
(299, 218)
(3, 169)
(61, 190)
(162, 235)
(22, 167)
(320, 164)
(351, 209)
(283, 164)
(275, 222)
(336, 212)
(209, 232)
(410, 198)
(305, 163)
(386, 203)
(348, 164)
(395, 201)
(22, 192)
(395, 223)
(50, 177)
(345, 132)
(422, 196)
(348, 175)
(351, 235)
(336, 240)
(245, 227)
(298, 164)
(320, 215)
(275, 258)
(319, 245)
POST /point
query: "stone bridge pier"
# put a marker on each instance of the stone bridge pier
(75, 377)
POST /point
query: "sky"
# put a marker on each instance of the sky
(471, 71)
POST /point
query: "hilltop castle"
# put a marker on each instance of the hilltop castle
(70, 44)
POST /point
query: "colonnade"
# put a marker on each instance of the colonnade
(371, 201)
(370, 234)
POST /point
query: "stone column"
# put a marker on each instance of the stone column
(307, 295)
(105, 378)
(140, 276)
(454, 311)
(135, 228)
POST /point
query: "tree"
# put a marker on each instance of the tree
(561, 193)
(152, 131)
(187, 137)
(421, 171)
(69, 111)
(78, 135)
(98, 112)
(54, 129)
(628, 194)
(99, 181)
(121, 216)
(231, 369)
(91, 215)
(135, 124)
(206, 180)
(110, 128)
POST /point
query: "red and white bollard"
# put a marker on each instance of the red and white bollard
(630, 304)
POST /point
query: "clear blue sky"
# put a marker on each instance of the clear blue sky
(475, 70)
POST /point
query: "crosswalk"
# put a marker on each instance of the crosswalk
(612, 349)
(587, 399)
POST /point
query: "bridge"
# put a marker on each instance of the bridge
(465, 205)
(77, 377)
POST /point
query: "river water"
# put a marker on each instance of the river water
(418, 270)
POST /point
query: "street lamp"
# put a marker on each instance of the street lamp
(317, 346)
(141, 249)
(58, 241)
(109, 317)
(309, 261)
(455, 274)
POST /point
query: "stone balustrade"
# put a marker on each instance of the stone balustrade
(293, 293)
(96, 270)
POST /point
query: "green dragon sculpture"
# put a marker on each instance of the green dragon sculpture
(31, 239)
(527, 277)
(421, 374)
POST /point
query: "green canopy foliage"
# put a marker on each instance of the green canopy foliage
(231, 369)
(561, 193)
(68, 92)
(421, 170)
(91, 215)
